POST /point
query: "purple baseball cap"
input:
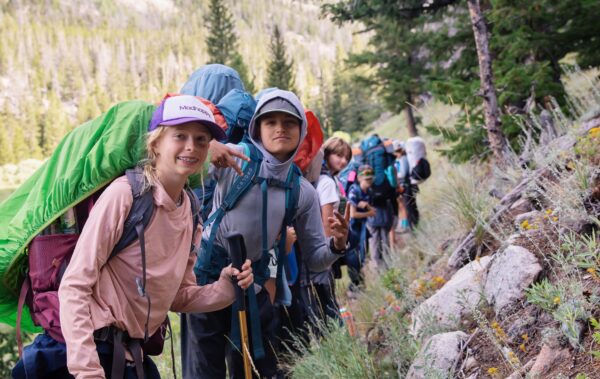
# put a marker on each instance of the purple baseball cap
(177, 110)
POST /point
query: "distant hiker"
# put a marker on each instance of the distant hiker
(110, 305)
(359, 197)
(401, 224)
(336, 155)
(260, 204)
(419, 171)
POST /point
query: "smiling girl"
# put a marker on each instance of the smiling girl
(101, 296)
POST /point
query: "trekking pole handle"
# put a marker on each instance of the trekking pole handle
(237, 252)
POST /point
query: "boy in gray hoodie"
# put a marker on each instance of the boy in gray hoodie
(276, 130)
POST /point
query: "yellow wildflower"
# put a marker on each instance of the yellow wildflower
(548, 211)
(525, 337)
(512, 357)
(555, 219)
(522, 347)
(556, 300)
(525, 225)
(492, 371)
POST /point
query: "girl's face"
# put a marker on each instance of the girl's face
(336, 163)
(181, 150)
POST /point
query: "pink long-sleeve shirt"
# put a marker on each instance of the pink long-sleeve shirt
(96, 292)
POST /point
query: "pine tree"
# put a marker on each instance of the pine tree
(238, 64)
(6, 152)
(54, 125)
(221, 42)
(280, 71)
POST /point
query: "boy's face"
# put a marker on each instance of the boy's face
(365, 181)
(279, 134)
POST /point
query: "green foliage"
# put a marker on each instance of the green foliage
(96, 54)
(280, 71)
(422, 47)
(595, 337)
(545, 295)
(221, 42)
(9, 354)
(334, 355)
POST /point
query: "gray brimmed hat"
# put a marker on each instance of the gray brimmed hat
(279, 104)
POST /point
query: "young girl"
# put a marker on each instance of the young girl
(320, 291)
(101, 296)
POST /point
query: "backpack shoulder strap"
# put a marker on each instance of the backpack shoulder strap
(196, 214)
(141, 211)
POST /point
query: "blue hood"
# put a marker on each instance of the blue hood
(212, 82)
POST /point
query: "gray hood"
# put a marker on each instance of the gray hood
(271, 166)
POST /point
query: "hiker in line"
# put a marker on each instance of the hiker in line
(359, 197)
(101, 297)
(274, 135)
(419, 171)
(321, 290)
(401, 224)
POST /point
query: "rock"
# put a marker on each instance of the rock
(455, 299)
(521, 206)
(437, 356)
(511, 272)
(546, 359)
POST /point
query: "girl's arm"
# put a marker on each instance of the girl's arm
(98, 237)
(211, 297)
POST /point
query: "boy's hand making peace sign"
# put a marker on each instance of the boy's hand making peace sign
(339, 228)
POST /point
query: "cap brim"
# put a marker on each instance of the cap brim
(279, 110)
(214, 129)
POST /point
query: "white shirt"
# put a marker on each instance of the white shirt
(327, 190)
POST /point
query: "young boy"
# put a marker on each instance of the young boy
(360, 210)
(276, 130)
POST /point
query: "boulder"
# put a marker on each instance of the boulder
(510, 273)
(547, 359)
(521, 206)
(438, 356)
(455, 299)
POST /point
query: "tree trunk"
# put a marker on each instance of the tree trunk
(488, 91)
(410, 117)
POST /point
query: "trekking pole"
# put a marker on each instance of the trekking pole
(238, 256)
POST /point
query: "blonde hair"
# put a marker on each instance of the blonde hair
(148, 164)
(337, 146)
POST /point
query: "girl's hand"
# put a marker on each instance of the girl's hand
(244, 278)
(222, 156)
(363, 204)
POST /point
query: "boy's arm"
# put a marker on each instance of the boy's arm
(309, 228)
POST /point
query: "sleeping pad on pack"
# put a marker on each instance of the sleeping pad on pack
(86, 160)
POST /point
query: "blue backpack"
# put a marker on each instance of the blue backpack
(375, 154)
